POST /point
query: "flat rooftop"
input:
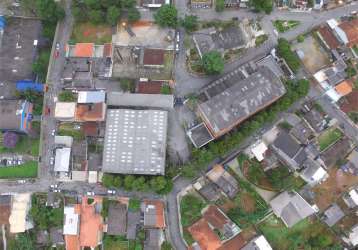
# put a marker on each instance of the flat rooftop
(233, 98)
(140, 100)
(18, 50)
(199, 135)
(135, 142)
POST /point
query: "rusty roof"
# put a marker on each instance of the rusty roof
(84, 50)
(72, 242)
(90, 129)
(149, 87)
(235, 243)
(204, 235)
(153, 57)
(351, 30)
(107, 50)
(344, 88)
(90, 112)
(215, 217)
(159, 212)
(328, 37)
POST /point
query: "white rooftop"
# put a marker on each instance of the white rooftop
(91, 96)
(65, 110)
(71, 224)
(259, 243)
(135, 141)
(354, 196)
(62, 159)
(259, 150)
(19, 209)
(332, 23)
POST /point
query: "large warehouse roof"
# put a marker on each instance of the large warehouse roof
(62, 159)
(135, 141)
(140, 100)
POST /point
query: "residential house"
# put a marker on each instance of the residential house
(233, 3)
(65, 111)
(258, 243)
(95, 112)
(337, 152)
(315, 120)
(19, 220)
(352, 237)
(289, 151)
(302, 132)
(16, 115)
(62, 160)
(210, 191)
(133, 222)
(258, 151)
(117, 219)
(351, 198)
(352, 163)
(332, 215)
(291, 208)
(313, 173)
(149, 87)
(153, 214)
(94, 167)
(90, 97)
(224, 180)
(347, 32)
(56, 237)
(153, 239)
(328, 39)
(153, 58)
(5, 208)
(200, 4)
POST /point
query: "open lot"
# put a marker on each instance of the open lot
(330, 190)
(25, 145)
(307, 234)
(329, 137)
(26, 170)
(314, 57)
(90, 33)
(70, 130)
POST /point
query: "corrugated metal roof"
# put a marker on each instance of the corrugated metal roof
(91, 96)
(140, 100)
(29, 85)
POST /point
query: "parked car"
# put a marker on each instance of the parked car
(56, 190)
(111, 191)
(53, 132)
(53, 186)
(90, 193)
(52, 160)
(21, 181)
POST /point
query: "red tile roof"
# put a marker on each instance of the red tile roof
(215, 217)
(235, 243)
(351, 30)
(107, 50)
(204, 235)
(328, 37)
(344, 88)
(350, 102)
(84, 50)
(90, 113)
(153, 57)
(149, 87)
(159, 206)
(90, 128)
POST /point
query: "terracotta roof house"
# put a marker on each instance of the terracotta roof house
(117, 219)
(204, 235)
(153, 57)
(350, 29)
(258, 243)
(90, 112)
(107, 50)
(344, 88)
(153, 214)
(84, 50)
(149, 87)
(291, 208)
(329, 40)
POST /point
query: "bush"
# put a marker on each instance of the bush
(134, 204)
(39, 67)
(261, 5)
(166, 16)
(190, 209)
(284, 50)
(127, 84)
(220, 5)
(351, 72)
(165, 90)
(213, 63)
(67, 96)
(190, 23)
(301, 38)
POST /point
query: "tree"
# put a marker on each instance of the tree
(213, 63)
(134, 204)
(166, 16)
(261, 5)
(127, 84)
(128, 3)
(284, 50)
(93, 4)
(161, 185)
(190, 23)
(107, 180)
(128, 182)
(140, 184)
(23, 241)
(39, 67)
(10, 139)
(300, 38)
(95, 16)
(113, 14)
(117, 181)
(220, 5)
(133, 15)
(49, 11)
(166, 246)
(79, 14)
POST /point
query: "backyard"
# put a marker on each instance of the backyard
(307, 234)
(329, 137)
(26, 170)
(90, 33)
(111, 242)
(25, 145)
(69, 129)
(285, 25)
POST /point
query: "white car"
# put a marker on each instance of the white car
(56, 190)
(53, 186)
(53, 132)
(178, 38)
(90, 193)
(111, 191)
(21, 181)
(52, 161)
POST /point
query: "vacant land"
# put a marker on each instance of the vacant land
(26, 170)
(115, 243)
(190, 209)
(328, 138)
(307, 234)
(284, 25)
(90, 33)
(70, 130)
(25, 145)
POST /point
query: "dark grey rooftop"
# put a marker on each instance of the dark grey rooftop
(332, 215)
(315, 119)
(118, 99)
(10, 115)
(270, 62)
(17, 52)
(302, 132)
(117, 219)
(200, 135)
(152, 239)
(135, 142)
(210, 192)
(5, 200)
(287, 144)
(232, 99)
(133, 221)
(94, 162)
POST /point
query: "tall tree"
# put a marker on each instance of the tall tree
(166, 16)
(213, 63)
(113, 14)
(133, 15)
(190, 23)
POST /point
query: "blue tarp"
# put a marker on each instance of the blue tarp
(29, 85)
(2, 22)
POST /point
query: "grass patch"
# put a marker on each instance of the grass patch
(134, 204)
(328, 138)
(112, 242)
(285, 25)
(353, 116)
(26, 170)
(69, 130)
(304, 235)
(190, 209)
(67, 96)
(260, 40)
(25, 145)
(91, 33)
(249, 206)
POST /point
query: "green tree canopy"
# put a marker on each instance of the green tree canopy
(166, 16)
(133, 15)
(262, 5)
(190, 23)
(113, 14)
(220, 5)
(213, 63)
(49, 10)
(284, 50)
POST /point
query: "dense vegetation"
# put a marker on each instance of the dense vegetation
(213, 63)
(105, 11)
(190, 209)
(67, 96)
(202, 157)
(158, 184)
(284, 50)
(166, 16)
(262, 5)
(190, 23)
